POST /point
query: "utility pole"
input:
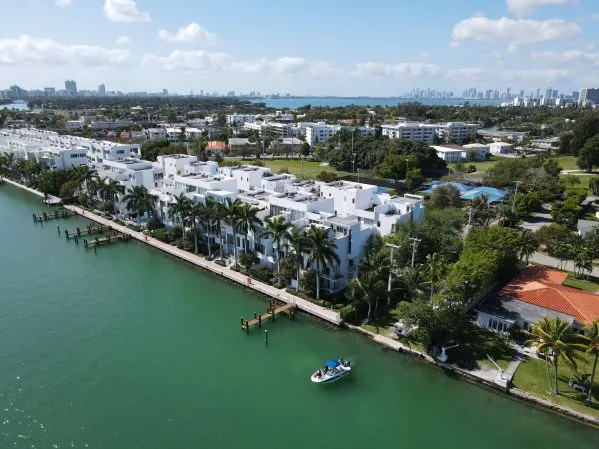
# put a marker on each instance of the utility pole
(353, 170)
(415, 241)
(390, 271)
(470, 211)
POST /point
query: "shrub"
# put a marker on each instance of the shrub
(326, 176)
(260, 272)
(220, 262)
(257, 163)
(248, 259)
(154, 224)
(283, 170)
(308, 282)
(135, 228)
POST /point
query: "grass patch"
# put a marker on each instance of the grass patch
(475, 343)
(481, 166)
(566, 162)
(531, 376)
(584, 183)
(588, 285)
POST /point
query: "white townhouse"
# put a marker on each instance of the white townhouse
(449, 155)
(248, 177)
(132, 172)
(239, 120)
(156, 133)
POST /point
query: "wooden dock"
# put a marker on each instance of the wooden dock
(106, 240)
(271, 313)
(89, 230)
(54, 215)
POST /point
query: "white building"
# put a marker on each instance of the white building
(501, 148)
(248, 177)
(415, 131)
(481, 151)
(320, 132)
(457, 132)
(238, 120)
(449, 155)
(156, 133)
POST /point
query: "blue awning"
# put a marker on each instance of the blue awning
(332, 363)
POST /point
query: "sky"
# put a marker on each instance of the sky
(310, 47)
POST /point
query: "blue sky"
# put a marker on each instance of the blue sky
(383, 47)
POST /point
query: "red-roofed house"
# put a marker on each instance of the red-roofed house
(216, 146)
(535, 294)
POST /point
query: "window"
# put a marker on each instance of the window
(259, 247)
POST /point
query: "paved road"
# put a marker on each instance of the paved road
(543, 259)
(537, 221)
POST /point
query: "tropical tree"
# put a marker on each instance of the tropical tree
(140, 201)
(210, 212)
(248, 221)
(481, 212)
(321, 251)
(411, 281)
(297, 241)
(195, 215)
(591, 343)
(110, 188)
(277, 229)
(555, 336)
(435, 268)
(180, 208)
(367, 288)
(527, 245)
(231, 217)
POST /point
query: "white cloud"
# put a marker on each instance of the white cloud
(595, 16)
(203, 61)
(192, 32)
(123, 40)
(403, 69)
(29, 50)
(527, 7)
(64, 3)
(124, 11)
(198, 60)
(566, 57)
(513, 32)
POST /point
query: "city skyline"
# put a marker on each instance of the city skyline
(145, 45)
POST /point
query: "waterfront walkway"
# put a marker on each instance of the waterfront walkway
(302, 304)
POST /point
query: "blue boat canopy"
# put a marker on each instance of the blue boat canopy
(332, 363)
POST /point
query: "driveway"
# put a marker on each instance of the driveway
(537, 221)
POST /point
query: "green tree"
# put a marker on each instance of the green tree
(591, 342)
(414, 179)
(588, 157)
(552, 168)
(594, 185)
(297, 241)
(109, 191)
(555, 336)
(367, 288)
(436, 269)
(321, 250)
(180, 209)
(277, 229)
(566, 212)
(528, 244)
(444, 197)
(231, 218)
(394, 167)
(585, 127)
(140, 201)
(248, 221)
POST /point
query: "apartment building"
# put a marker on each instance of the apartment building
(457, 132)
(419, 132)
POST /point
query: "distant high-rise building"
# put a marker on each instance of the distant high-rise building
(18, 93)
(554, 94)
(71, 87)
(589, 95)
(548, 93)
(538, 95)
(49, 91)
(508, 93)
(102, 90)
(165, 92)
(575, 95)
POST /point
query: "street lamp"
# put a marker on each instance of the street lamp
(390, 270)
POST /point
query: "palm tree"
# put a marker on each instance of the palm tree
(411, 281)
(527, 245)
(481, 212)
(435, 268)
(180, 208)
(591, 342)
(196, 213)
(297, 241)
(277, 229)
(368, 288)
(503, 212)
(554, 335)
(248, 221)
(140, 201)
(321, 250)
(110, 189)
(209, 213)
(231, 217)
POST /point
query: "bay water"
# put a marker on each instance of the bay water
(130, 348)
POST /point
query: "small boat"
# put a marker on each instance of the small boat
(333, 370)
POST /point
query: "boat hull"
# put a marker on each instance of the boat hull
(327, 379)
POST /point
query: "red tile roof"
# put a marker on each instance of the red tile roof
(216, 145)
(543, 287)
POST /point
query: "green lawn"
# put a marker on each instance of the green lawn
(531, 376)
(566, 162)
(590, 286)
(584, 182)
(475, 344)
(306, 169)
(481, 166)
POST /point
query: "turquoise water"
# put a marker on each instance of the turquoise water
(335, 102)
(129, 348)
